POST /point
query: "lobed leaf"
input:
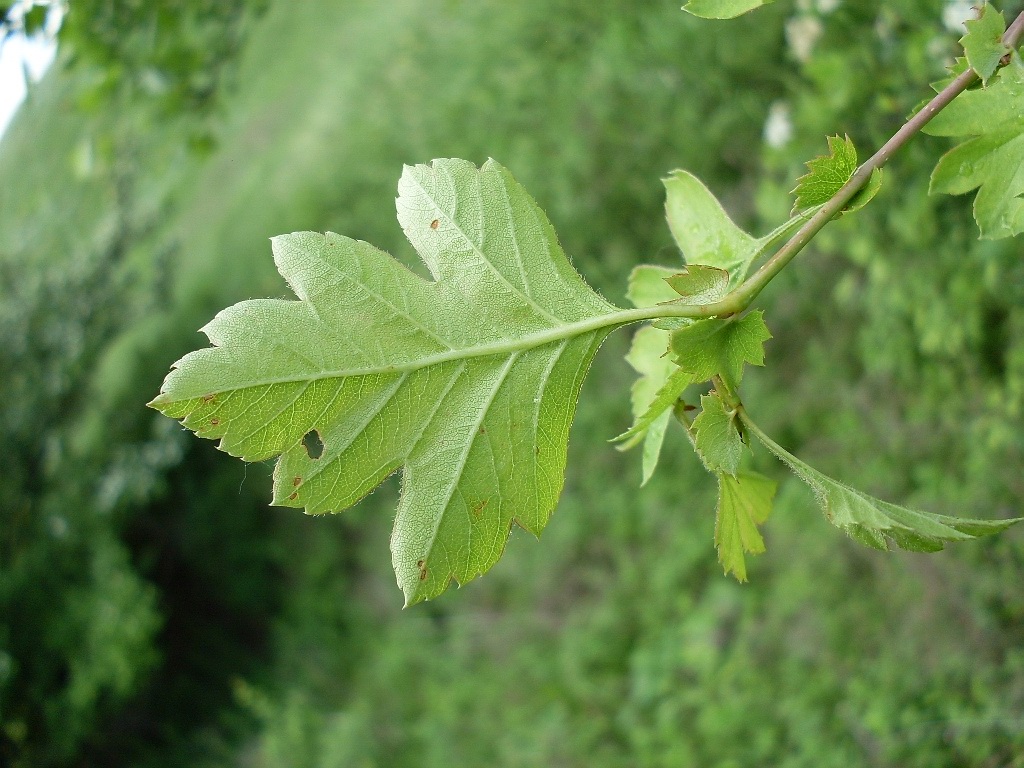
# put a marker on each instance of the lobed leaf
(703, 230)
(661, 381)
(874, 522)
(827, 174)
(983, 44)
(467, 382)
(721, 346)
(991, 158)
(717, 437)
(744, 502)
(698, 284)
(722, 9)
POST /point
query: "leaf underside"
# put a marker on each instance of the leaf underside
(661, 381)
(744, 502)
(468, 383)
(721, 346)
(874, 522)
(991, 158)
(722, 9)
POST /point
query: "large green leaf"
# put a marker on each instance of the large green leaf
(874, 522)
(467, 382)
(991, 159)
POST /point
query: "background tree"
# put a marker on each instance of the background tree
(155, 611)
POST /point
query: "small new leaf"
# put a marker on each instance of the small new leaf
(698, 284)
(703, 230)
(991, 158)
(721, 346)
(827, 174)
(648, 285)
(722, 9)
(654, 394)
(983, 43)
(661, 381)
(744, 502)
(467, 382)
(874, 522)
(717, 437)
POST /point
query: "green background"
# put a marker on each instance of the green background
(154, 610)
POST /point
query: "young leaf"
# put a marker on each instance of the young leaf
(717, 437)
(703, 230)
(991, 159)
(721, 346)
(827, 174)
(467, 382)
(872, 521)
(744, 502)
(661, 381)
(698, 284)
(983, 43)
(722, 9)
(648, 285)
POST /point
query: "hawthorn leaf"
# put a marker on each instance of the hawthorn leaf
(721, 346)
(717, 436)
(874, 522)
(722, 9)
(983, 44)
(703, 230)
(661, 381)
(827, 174)
(991, 158)
(648, 285)
(708, 237)
(467, 382)
(698, 284)
(744, 502)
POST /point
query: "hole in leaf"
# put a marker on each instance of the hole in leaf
(313, 444)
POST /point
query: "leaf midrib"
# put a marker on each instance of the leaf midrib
(505, 347)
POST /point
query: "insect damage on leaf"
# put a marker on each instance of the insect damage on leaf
(467, 382)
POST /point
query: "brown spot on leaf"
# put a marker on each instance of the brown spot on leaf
(422, 565)
(214, 422)
(435, 224)
(536, 450)
(479, 507)
(483, 431)
(293, 496)
(210, 398)
(296, 481)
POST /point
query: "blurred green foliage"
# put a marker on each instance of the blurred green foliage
(155, 611)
